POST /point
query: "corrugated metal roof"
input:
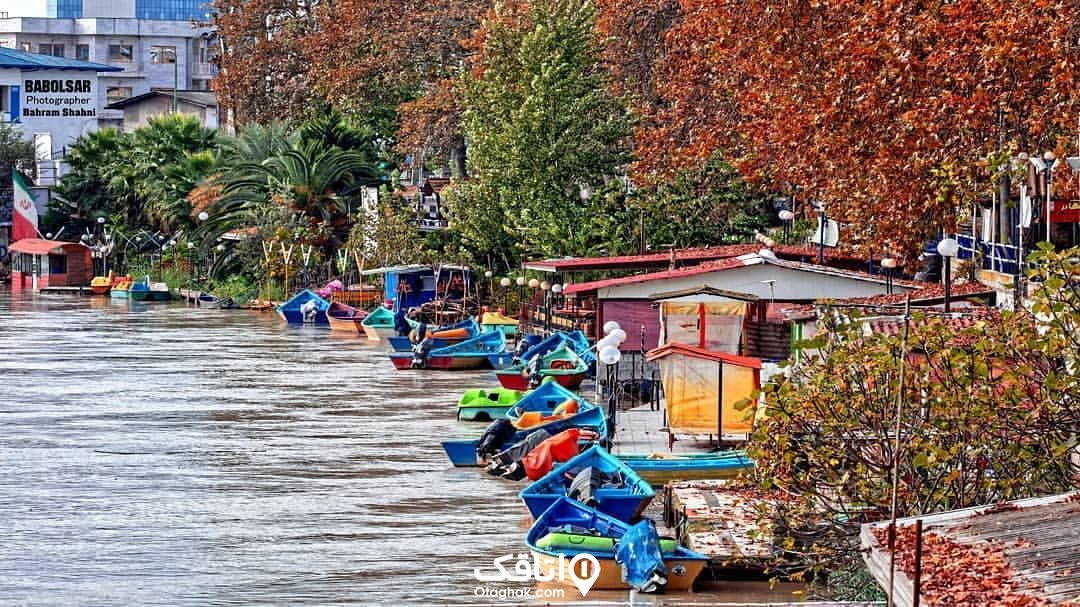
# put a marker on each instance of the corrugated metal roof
(695, 352)
(737, 262)
(22, 60)
(38, 246)
(200, 98)
(1031, 545)
(682, 257)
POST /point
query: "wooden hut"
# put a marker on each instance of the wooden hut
(38, 264)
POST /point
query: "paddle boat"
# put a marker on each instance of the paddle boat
(120, 289)
(486, 404)
(562, 364)
(208, 301)
(623, 495)
(144, 290)
(462, 453)
(441, 336)
(497, 321)
(345, 318)
(100, 285)
(569, 528)
(469, 354)
(661, 468)
(379, 324)
(305, 306)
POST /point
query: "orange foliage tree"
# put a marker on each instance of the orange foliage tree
(887, 111)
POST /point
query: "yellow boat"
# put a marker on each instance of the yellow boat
(496, 321)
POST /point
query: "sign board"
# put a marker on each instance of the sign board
(1065, 211)
(59, 96)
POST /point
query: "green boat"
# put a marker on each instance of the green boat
(487, 404)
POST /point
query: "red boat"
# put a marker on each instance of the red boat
(568, 369)
(346, 319)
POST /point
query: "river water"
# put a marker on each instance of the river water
(158, 454)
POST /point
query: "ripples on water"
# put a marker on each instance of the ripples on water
(164, 455)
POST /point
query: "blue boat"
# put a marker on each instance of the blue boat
(440, 337)
(469, 354)
(543, 401)
(659, 469)
(568, 531)
(462, 453)
(624, 502)
(292, 311)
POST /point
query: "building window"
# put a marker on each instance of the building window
(117, 93)
(82, 52)
(57, 264)
(26, 47)
(162, 54)
(172, 10)
(64, 9)
(53, 50)
(121, 53)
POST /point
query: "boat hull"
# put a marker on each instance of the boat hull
(377, 333)
(661, 471)
(100, 289)
(119, 294)
(623, 502)
(345, 325)
(514, 380)
(457, 363)
(484, 413)
(681, 573)
(502, 360)
(296, 317)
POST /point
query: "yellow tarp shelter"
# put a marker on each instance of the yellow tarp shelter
(713, 325)
(702, 387)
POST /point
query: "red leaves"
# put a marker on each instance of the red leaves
(961, 575)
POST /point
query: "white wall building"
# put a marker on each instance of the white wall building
(156, 43)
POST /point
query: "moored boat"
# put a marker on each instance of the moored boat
(100, 285)
(345, 318)
(440, 337)
(304, 307)
(662, 468)
(497, 321)
(463, 453)
(486, 404)
(562, 364)
(620, 493)
(469, 354)
(379, 324)
(208, 301)
(568, 529)
(120, 288)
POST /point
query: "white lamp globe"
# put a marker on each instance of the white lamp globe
(888, 263)
(618, 335)
(948, 247)
(533, 283)
(609, 355)
(504, 281)
(556, 288)
(101, 220)
(611, 326)
(769, 243)
(190, 245)
(488, 274)
(545, 285)
(221, 247)
(520, 281)
(786, 215)
(203, 216)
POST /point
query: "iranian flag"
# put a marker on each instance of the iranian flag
(24, 221)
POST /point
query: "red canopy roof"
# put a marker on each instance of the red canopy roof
(38, 246)
(695, 352)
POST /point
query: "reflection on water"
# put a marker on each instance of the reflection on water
(162, 455)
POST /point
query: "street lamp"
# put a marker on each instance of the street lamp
(521, 297)
(888, 264)
(505, 283)
(787, 217)
(948, 248)
(1046, 166)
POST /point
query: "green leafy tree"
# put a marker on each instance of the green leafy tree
(541, 127)
(15, 153)
(988, 413)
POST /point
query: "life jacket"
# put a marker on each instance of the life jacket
(558, 448)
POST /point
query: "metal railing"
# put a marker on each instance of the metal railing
(991, 256)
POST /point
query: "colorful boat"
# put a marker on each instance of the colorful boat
(462, 453)
(623, 496)
(100, 285)
(469, 354)
(569, 528)
(120, 289)
(144, 290)
(441, 336)
(562, 364)
(305, 306)
(208, 301)
(486, 404)
(345, 318)
(661, 468)
(497, 321)
(379, 324)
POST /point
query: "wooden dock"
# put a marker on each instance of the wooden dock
(66, 290)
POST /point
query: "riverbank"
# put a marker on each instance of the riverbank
(167, 455)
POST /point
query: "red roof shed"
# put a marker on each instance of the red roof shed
(56, 263)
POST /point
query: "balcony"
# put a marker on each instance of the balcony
(203, 70)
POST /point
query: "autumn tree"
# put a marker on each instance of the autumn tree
(888, 112)
(988, 413)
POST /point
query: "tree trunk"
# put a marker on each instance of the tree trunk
(457, 159)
